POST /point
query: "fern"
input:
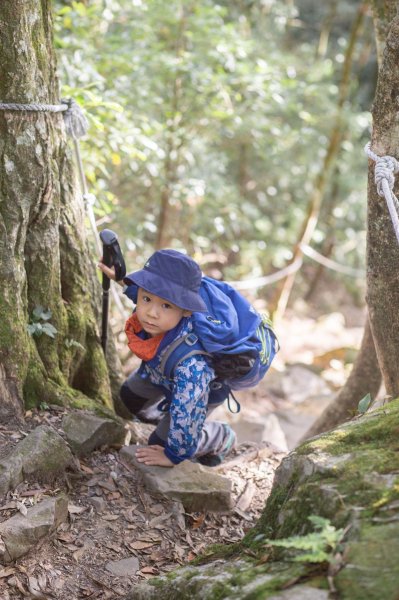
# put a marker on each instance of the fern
(315, 547)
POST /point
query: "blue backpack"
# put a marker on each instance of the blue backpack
(240, 341)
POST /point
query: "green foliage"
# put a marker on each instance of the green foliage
(39, 323)
(315, 547)
(364, 404)
(71, 343)
(219, 110)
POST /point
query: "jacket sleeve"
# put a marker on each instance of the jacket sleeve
(188, 407)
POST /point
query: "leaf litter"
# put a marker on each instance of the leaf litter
(111, 517)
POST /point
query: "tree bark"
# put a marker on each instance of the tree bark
(365, 378)
(382, 246)
(44, 255)
(383, 13)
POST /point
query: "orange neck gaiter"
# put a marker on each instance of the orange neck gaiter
(144, 349)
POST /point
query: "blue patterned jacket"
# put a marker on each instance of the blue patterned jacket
(187, 394)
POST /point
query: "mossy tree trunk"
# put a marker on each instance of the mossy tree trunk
(382, 246)
(44, 255)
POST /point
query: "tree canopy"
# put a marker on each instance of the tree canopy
(212, 120)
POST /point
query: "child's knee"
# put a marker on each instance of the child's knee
(132, 401)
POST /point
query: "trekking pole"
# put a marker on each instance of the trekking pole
(112, 257)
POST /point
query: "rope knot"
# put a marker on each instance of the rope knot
(385, 168)
(76, 124)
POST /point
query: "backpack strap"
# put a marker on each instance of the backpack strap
(182, 348)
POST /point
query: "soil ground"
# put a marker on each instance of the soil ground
(112, 517)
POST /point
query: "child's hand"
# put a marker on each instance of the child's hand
(109, 271)
(153, 455)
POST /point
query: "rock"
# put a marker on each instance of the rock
(304, 466)
(197, 487)
(85, 432)
(97, 503)
(21, 533)
(300, 382)
(140, 432)
(233, 580)
(127, 567)
(42, 455)
(302, 592)
(265, 428)
(371, 564)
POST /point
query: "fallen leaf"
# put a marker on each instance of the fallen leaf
(7, 572)
(29, 493)
(141, 545)
(114, 496)
(36, 592)
(151, 570)
(22, 508)
(198, 521)
(108, 485)
(85, 468)
(76, 510)
(109, 517)
(9, 505)
(156, 521)
(66, 536)
(77, 555)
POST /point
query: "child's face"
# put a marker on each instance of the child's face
(157, 315)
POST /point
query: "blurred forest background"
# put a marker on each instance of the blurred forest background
(235, 131)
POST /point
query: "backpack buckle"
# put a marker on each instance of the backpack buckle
(191, 339)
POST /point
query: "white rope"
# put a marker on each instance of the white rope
(258, 282)
(385, 169)
(330, 264)
(76, 124)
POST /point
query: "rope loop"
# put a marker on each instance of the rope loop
(385, 169)
(76, 124)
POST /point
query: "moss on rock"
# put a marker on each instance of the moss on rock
(349, 476)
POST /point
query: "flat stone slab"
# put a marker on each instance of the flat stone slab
(42, 455)
(85, 432)
(127, 567)
(301, 592)
(196, 486)
(20, 533)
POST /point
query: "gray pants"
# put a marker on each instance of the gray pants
(143, 398)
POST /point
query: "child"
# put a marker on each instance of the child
(166, 293)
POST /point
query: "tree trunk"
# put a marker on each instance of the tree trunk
(44, 255)
(383, 13)
(382, 246)
(365, 378)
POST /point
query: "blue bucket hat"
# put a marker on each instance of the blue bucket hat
(173, 276)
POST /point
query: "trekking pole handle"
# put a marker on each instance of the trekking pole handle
(112, 253)
(112, 256)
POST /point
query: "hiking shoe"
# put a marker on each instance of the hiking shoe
(213, 460)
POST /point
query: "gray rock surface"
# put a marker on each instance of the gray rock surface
(197, 487)
(127, 567)
(85, 432)
(21, 533)
(302, 592)
(42, 455)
